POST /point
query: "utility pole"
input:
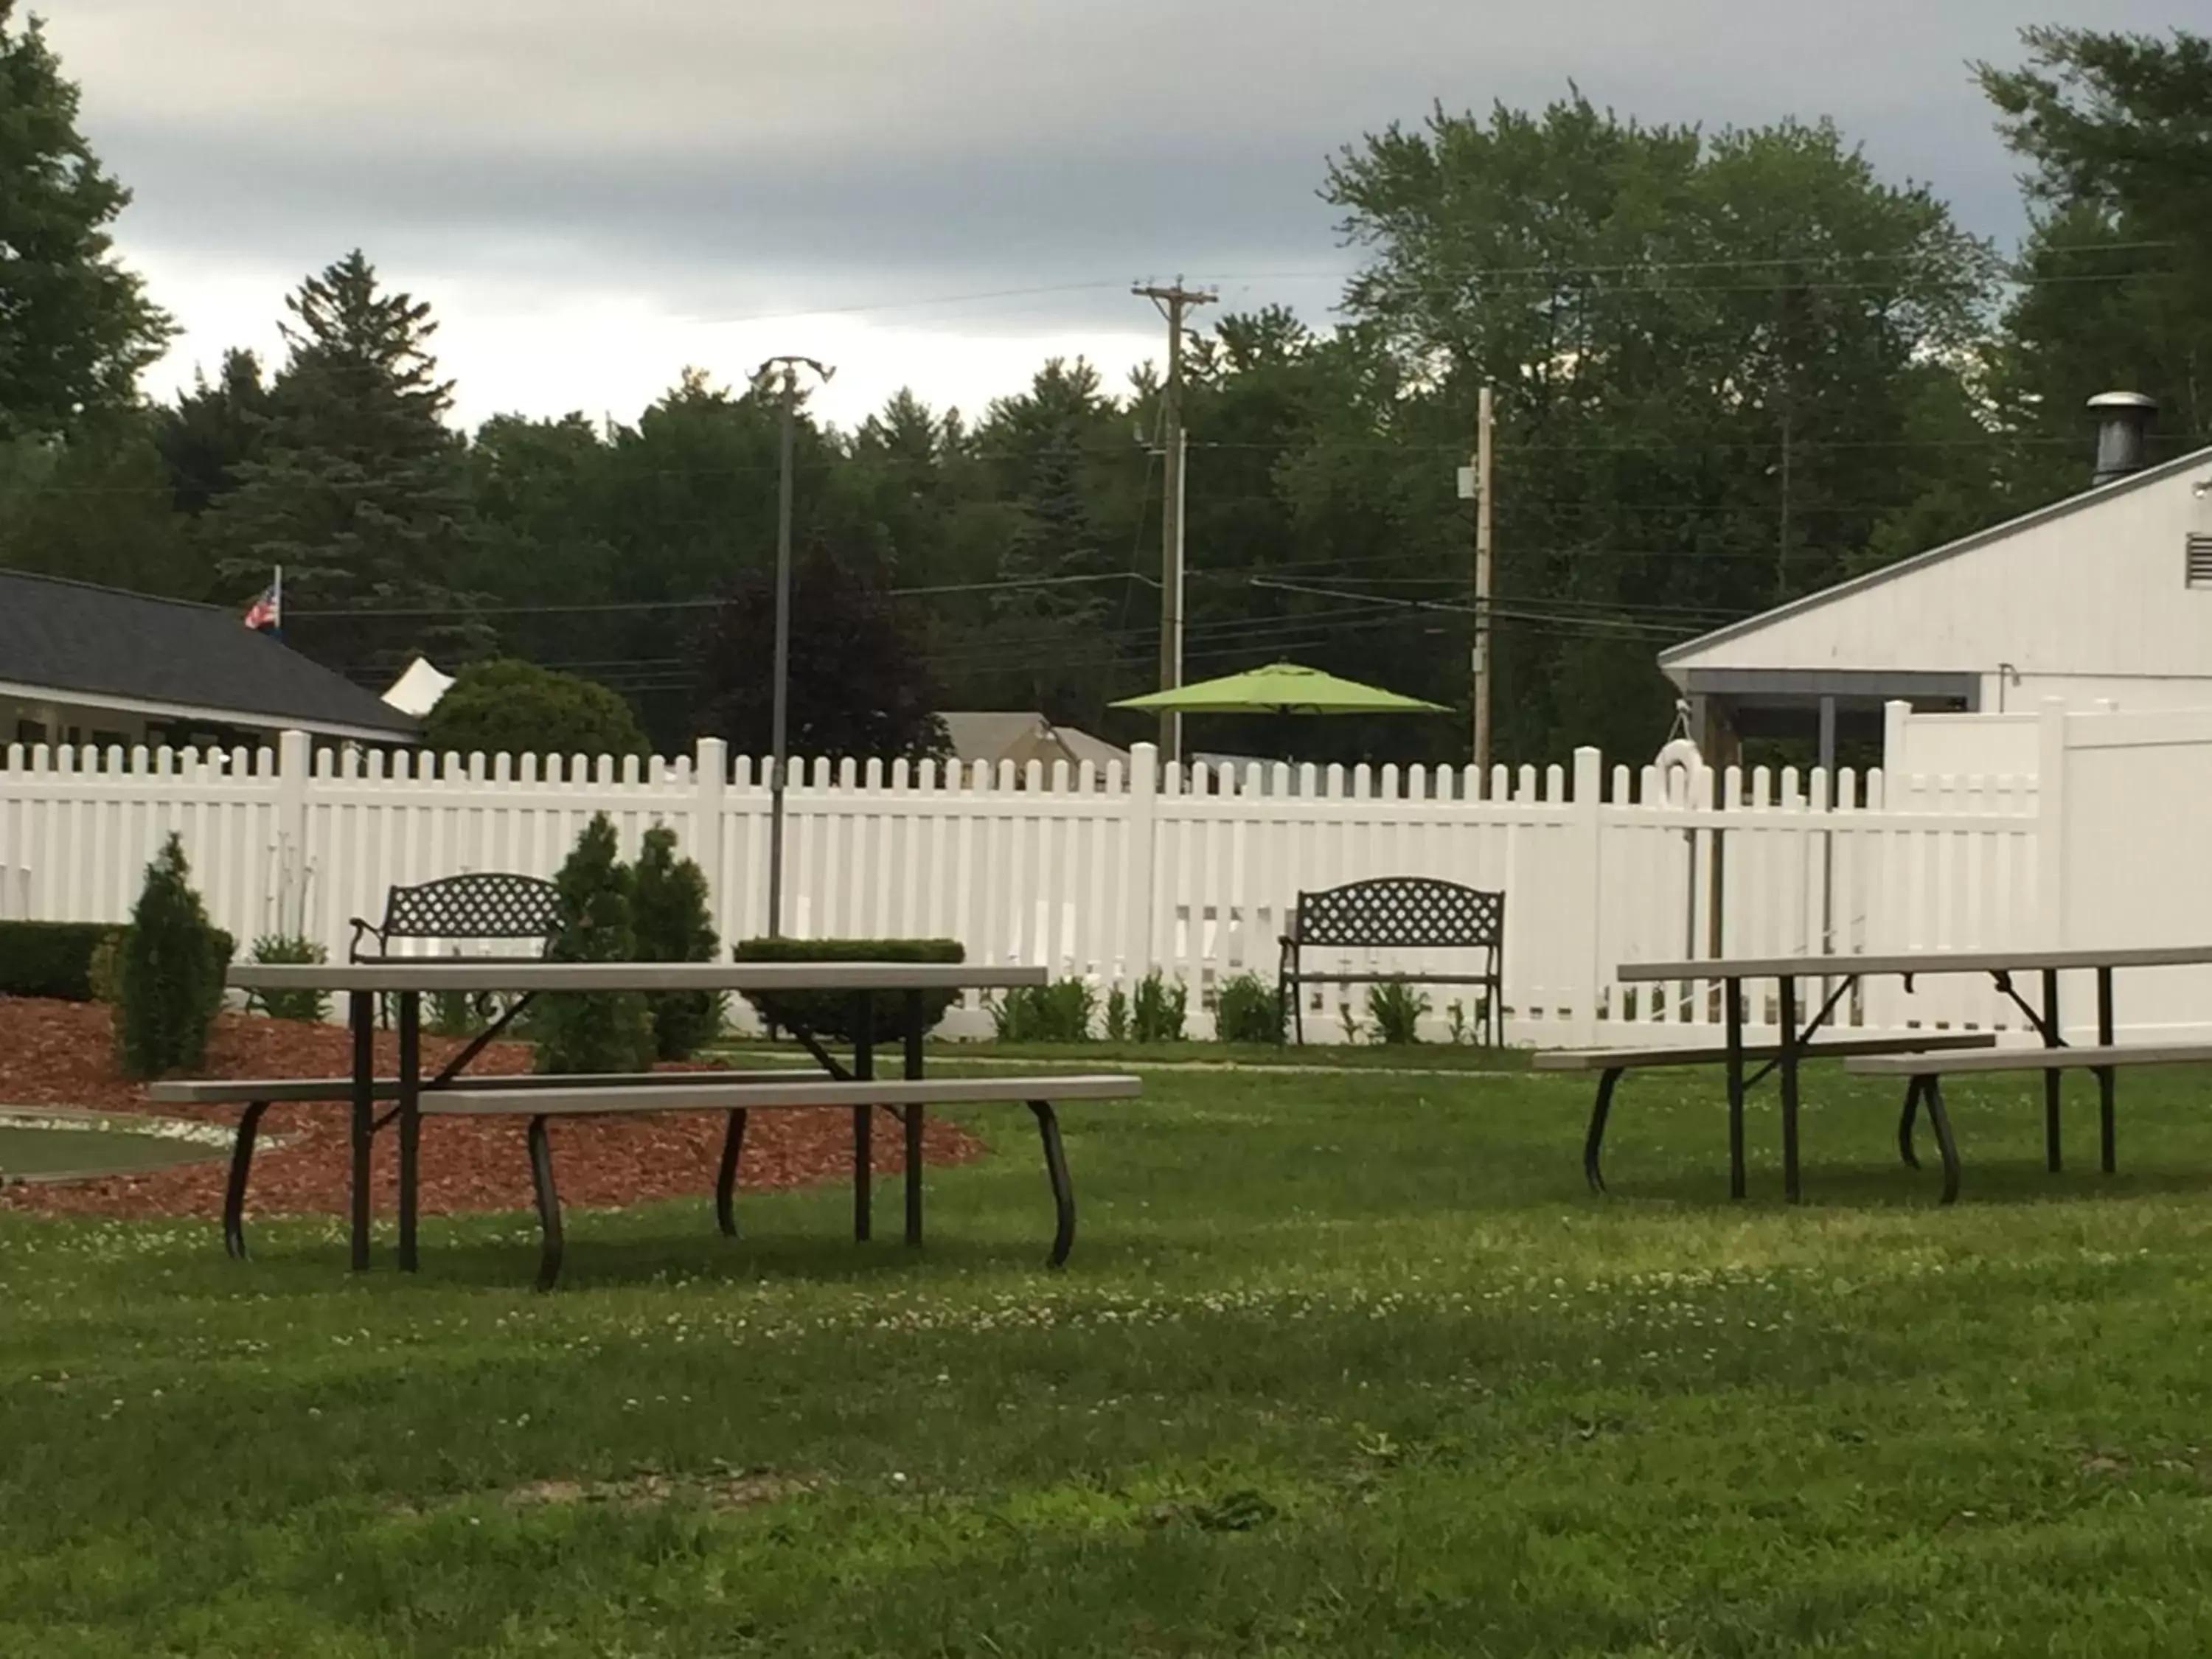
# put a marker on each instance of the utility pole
(1174, 303)
(1477, 483)
(779, 722)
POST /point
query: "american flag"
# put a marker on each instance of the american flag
(268, 610)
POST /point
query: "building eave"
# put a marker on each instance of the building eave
(400, 732)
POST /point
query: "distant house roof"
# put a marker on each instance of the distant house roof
(166, 658)
(1023, 736)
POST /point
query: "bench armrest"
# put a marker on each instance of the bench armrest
(361, 927)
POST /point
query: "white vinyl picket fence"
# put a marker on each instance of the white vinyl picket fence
(1104, 875)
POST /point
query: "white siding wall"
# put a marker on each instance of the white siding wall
(2088, 604)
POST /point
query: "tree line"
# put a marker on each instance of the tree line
(1731, 367)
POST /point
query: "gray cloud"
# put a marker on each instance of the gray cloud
(732, 160)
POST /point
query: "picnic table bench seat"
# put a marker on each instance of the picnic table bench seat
(1611, 1063)
(1928, 1072)
(759, 1093)
(257, 1095)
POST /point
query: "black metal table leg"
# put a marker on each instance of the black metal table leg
(410, 1121)
(548, 1204)
(1786, 1066)
(1732, 998)
(864, 1117)
(361, 1011)
(725, 1178)
(914, 1118)
(1912, 1093)
(2106, 1077)
(1063, 1191)
(1595, 1143)
(2054, 1037)
(1939, 1120)
(233, 1191)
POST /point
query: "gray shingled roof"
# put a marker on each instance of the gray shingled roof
(66, 636)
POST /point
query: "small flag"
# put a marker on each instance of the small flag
(268, 610)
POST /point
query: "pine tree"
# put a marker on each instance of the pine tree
(360, 491)
(602, 1031)
(669, 902)
(74, 327)
(172, 974)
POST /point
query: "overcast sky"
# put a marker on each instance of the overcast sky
(594, 196)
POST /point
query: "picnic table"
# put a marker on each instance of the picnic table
(1841, 973)
(406, 981)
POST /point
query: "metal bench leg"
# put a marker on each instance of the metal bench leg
(1939, 1120)
(725, 1178)
(1595, 1142)
(1913, 1091)
(914, 1123)
(548, 1204)
(2107, 1127)
(1063, 1192)
(233, 1191)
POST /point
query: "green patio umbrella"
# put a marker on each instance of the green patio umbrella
(1283, 688)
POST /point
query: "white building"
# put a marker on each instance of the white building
(2104, 597)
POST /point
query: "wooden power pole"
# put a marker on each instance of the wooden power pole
(1485, 470)
(1174, 302)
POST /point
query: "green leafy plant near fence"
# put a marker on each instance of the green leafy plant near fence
(669, 905)
(1058, 1013)
(1159, 1010)
(1396, 1010)
(1246, 1009)
(602, 1031)
(828, 1014)
(52, 959)
(170, 970)
(288, 1005)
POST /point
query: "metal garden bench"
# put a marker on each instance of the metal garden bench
(491, 904)
(1397, 912)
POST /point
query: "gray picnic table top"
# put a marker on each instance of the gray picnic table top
(1915, 962)
(402, 974)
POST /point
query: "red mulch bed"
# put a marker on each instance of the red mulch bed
(60, 1053)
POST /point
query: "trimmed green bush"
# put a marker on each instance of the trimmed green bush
(50, 958)
(595, 1031)
(668, 903)
(828, 1014)
(309, 1006)
(173, 963)
(1397, 1010)
(1246, 1009)
(1157, 1014)
(506, 707)
(1058, 1013)
(1117, 1015)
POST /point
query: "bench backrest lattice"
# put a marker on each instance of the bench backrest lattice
(488, 905)
(1401, 912)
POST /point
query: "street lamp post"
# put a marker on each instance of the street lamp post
(779, 720)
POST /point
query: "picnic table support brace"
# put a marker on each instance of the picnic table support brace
(1732, 997)
(1608, 1080)
(2053, 1082)
(1787, 1062)
(2106, 1076)
(360, 1008)
(548, 1204)
(1063, 1191)
(1941, 1121)
(864, 1117)
(233, 1191)
(914, 1121)
(410, 1121)
(726, 1177)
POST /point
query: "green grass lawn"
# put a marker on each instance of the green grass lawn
(1338, 1367)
